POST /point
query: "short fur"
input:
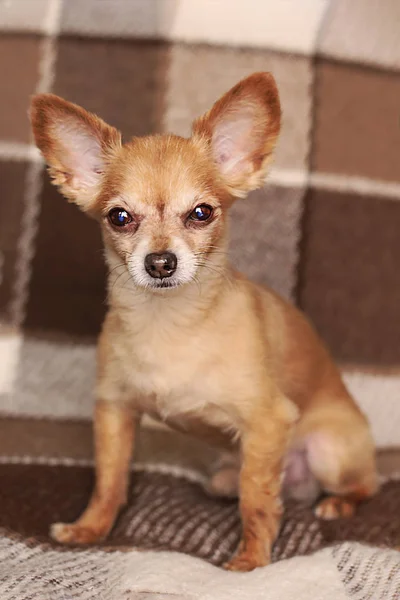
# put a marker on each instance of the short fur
(213, 355)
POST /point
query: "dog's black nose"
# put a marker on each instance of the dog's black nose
(160, 265)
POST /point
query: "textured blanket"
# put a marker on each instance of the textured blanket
(167, 509)
(345, 572)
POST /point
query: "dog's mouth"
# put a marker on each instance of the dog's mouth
(164, 284)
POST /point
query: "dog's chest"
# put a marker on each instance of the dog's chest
(178, 379)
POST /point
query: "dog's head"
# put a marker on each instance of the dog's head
(162, 200)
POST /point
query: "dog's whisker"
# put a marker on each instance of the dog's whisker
(113, 269)
(197, 282)
(216, 270)
(208, 252)
(119, 277)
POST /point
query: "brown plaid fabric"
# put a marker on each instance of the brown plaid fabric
(168, 511)
(327, 223)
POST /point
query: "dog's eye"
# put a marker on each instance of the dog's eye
(119, 217)
(202, 212)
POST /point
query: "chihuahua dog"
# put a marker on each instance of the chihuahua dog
(192, 342)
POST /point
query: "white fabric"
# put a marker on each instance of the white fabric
(348, 571)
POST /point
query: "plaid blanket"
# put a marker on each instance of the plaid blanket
(346, 572)
(168, 511)
(327, 223)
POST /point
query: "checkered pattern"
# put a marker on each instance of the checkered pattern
(327, 224)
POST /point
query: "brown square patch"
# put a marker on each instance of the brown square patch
(68, 274)
(122, 81)
(19, 64)
(12, 177)
(357, 122)
(350, 275)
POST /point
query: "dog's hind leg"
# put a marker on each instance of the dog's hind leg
(340, 456)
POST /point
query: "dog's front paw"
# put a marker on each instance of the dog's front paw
(246, 561)
(74, 533)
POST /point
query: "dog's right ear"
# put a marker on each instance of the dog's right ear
(76, 145)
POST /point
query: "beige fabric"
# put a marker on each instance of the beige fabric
(349, 571)
(217, 69)
(362, 30)
(28, 15)
(288, 24)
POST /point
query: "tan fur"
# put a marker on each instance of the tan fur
(114, 437)
(216, 356)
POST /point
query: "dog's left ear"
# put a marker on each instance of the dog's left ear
(241, 130)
